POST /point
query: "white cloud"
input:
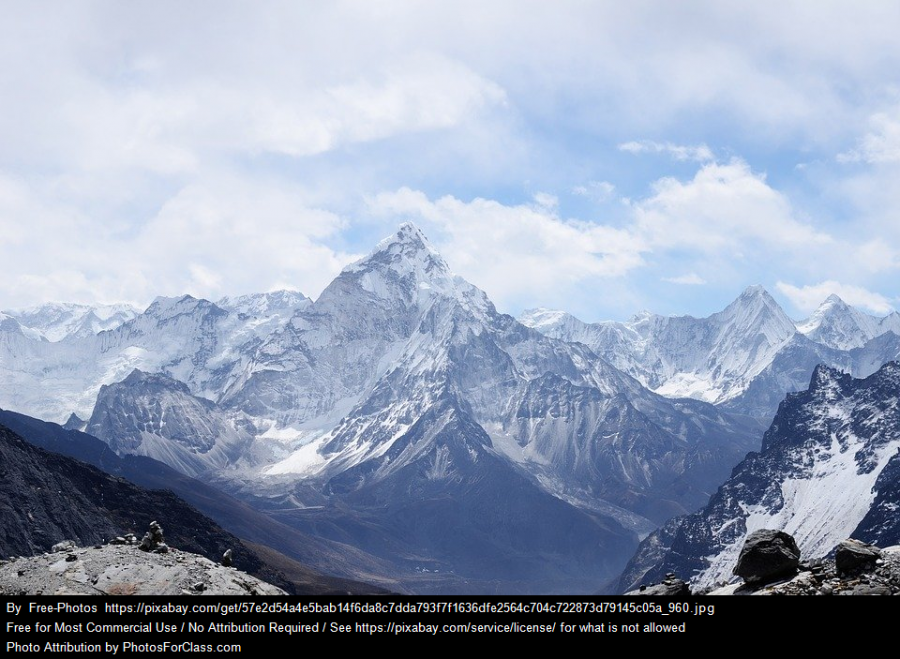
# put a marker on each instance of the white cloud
(515, 253)
(596, 190)
(139, 131)
(222, 235)
(698, 153)
(725, 209)
(881, 144)
(546, 200)
(690, 279)
(239, 237)
(176, 128)
(808, 298)
(876, 256)
(424, 93)
(725, 215)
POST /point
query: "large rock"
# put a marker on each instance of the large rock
(766, 556)
(852, 554)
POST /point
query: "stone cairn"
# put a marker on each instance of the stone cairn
(153, 540)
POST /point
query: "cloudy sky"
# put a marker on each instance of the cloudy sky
(600, 157)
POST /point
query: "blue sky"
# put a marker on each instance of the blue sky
(601, 158)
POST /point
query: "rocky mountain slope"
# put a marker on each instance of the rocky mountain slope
(770, 563)
(47, 497)
(306, 561)
(827, 471)
(401, 395)
(165, 421)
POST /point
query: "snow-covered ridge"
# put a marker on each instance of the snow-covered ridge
(56, 321)
(266, 305)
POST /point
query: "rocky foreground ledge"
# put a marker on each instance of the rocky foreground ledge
(770, 564)
(124, 569)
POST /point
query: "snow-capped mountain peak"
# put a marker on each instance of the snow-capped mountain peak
(9, 324)
(838, 325)
(712, 359)
(167, 307)
(757, 310)
(406, 268)
(407, 251)
(826, 471)
(743, 323)
(406, 234)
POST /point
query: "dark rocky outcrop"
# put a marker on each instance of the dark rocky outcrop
(154, 540)
(880, 576)
(838, 443)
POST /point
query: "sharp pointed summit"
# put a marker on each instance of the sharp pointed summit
(755, 290)
(756, 311)
(407, 242)
(838, 325)
(406, 251)
(756, 297)
(407, 233)
(405, 269)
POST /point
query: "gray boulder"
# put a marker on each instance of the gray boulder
(767, 555)
(65, 545)
(852, 555)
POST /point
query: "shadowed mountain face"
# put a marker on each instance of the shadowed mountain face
(827, 471)
(164, 420)
(280, 546)
(47, 497)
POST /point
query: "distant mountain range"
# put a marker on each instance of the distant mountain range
(60, 321)
(744, 358)
(401, 414)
